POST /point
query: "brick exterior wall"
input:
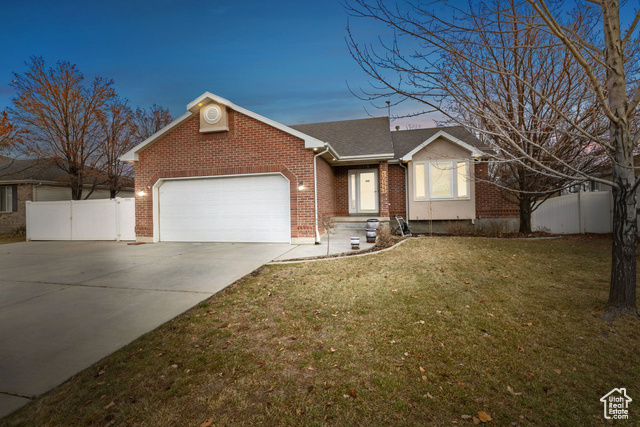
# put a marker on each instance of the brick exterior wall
(326, 191)
(489, 200)
(249, 147)
(383, 189)
(397, 191)
(10, 220)
(342, 190)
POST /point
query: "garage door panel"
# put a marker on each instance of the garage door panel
(237, 209)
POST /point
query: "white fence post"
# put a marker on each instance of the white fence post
(582, 212)
(117, 206)
(71, 220)
(27, 208)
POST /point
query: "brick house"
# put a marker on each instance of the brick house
(223, 173)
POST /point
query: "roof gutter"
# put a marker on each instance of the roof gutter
(315, 190)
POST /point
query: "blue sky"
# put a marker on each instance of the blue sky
(286, 60)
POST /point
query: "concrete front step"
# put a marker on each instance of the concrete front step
(350, 226)
(355, 222)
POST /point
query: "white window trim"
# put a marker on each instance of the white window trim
(453, 177)
(415, 180)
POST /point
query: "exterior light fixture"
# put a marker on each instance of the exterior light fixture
(300, 186)
(141, 193)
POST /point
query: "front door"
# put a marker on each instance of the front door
(363, 191)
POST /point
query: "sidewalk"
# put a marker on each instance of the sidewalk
(340, 243)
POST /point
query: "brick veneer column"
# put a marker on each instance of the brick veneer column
(383, 191)
(397, 191)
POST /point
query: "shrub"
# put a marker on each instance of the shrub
(456, 228)
(494, 228)
(385, 238)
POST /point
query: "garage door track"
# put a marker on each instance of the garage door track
(66, 305)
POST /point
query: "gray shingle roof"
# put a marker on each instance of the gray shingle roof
(406, 140)
(372, 136)
(44, 170)
(353, 137)
(30, 170)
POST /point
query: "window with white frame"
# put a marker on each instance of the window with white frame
(6, 199)
(441, 179)
(420, 181)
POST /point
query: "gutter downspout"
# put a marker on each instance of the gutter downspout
(406, 189)
(315, 191)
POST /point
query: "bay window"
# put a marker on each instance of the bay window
(441, 180)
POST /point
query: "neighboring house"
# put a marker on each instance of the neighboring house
(223, 173)
(36, 181)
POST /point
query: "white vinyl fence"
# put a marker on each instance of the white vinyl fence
(582, 212)
(101, 219)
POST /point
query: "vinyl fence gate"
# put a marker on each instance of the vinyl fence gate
(98, 219)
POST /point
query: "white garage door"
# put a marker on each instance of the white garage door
(238, 209)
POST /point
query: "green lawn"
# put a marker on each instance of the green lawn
(435, 330)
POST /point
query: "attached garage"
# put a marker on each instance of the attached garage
(252, 208)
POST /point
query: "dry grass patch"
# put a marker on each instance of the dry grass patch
(13, 236)
(433, 331)
(11, 239)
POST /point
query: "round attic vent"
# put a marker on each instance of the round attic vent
(212, 114)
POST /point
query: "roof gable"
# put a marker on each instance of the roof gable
(193, 108)
(441, 133)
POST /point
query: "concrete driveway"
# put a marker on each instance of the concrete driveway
(66, 305)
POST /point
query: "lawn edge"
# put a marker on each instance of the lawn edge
(330, 258)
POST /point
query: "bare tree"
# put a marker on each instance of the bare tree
(150, 122)
(10, 141)
(566, 76)
(62, 115)
(119, 136)
(499, 103)
(8, 133)
(329, 225)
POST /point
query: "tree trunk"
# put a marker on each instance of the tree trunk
(76, 184)
(525, 215)
(622, 291)
(113, 186)
(76, 191)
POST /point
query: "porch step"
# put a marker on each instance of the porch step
(355, 222)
